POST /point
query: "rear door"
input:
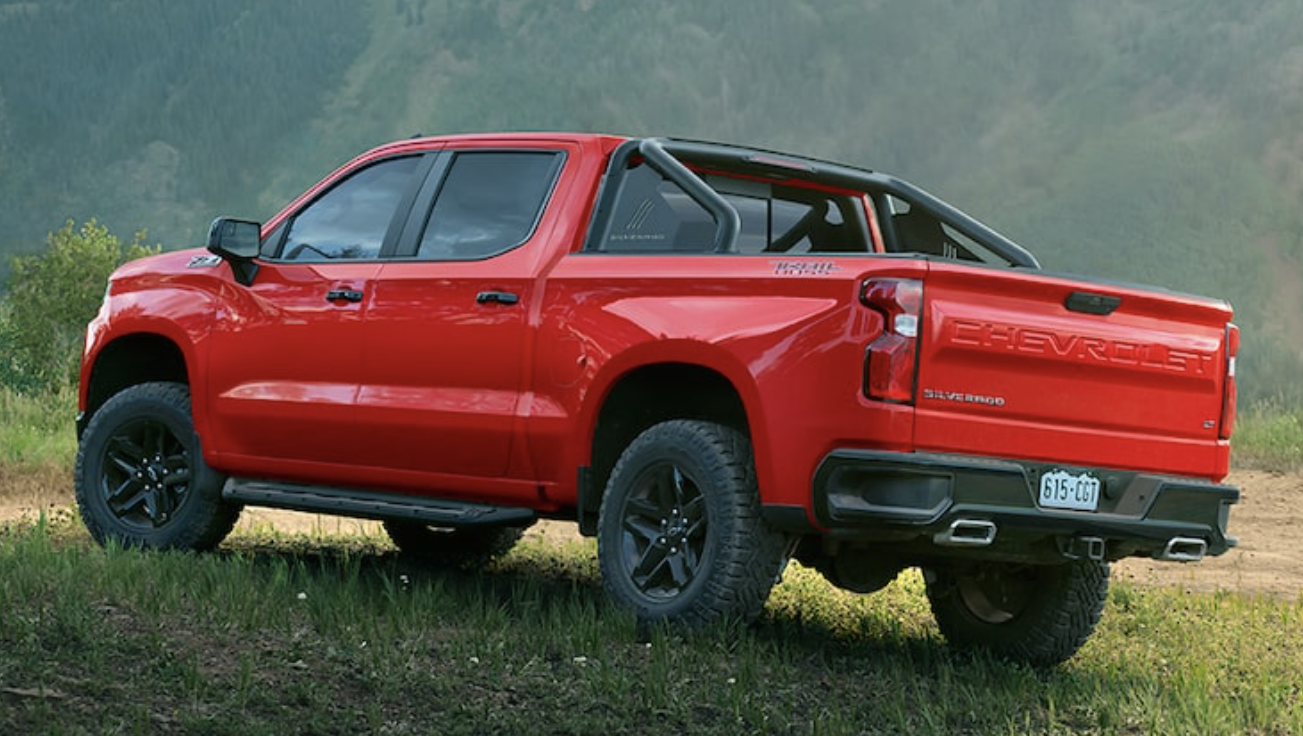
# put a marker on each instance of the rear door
(1018, 364)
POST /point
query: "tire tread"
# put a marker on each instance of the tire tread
(1062, 616)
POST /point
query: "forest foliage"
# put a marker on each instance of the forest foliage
(50, 298)
(1148, 142)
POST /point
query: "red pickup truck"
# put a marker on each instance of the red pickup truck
(713, 358)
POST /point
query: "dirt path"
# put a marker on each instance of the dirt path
(1268, 561)
(1269, 558)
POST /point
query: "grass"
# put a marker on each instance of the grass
(1269, 436)
(37, 430)
(280, 634)
(327, 633)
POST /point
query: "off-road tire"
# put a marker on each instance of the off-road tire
(464, 547)
(680, 537)
(141, 479)
(1039, 614)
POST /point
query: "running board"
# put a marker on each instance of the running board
(372, 505)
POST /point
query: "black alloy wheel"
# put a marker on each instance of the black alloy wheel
(146, 475)
(141, 479)
(680, 537)
(663, 543)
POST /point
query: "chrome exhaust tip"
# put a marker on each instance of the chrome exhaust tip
(967, 533)
(1183, 549)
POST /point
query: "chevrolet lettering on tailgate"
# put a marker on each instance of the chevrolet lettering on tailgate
(1081, 348)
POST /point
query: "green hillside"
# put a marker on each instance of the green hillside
(1152, 142)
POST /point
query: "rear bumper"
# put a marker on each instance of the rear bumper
(988, 507)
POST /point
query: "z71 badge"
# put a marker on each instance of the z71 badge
(204, 262)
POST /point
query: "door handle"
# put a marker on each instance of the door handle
(343, 295)
(501, 297)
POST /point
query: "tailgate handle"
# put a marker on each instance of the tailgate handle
(1088, 303)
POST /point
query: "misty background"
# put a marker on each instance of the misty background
(1155, 142)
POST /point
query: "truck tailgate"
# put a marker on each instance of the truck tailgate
(1021, 365)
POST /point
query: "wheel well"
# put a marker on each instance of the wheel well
(648, 396)
(131, 360)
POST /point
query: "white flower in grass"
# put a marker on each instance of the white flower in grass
(302, 596)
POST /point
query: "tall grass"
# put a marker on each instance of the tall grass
(1269, 435)
(277, 635)
(37, 429)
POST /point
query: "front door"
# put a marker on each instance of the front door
(287, 355)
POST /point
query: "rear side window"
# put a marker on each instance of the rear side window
(350, 221)
(655, 215)
(917, 231)
(489, 203)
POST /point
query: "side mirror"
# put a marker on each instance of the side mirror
(238, 243)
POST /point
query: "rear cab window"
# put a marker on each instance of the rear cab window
(664, 196)
(653, 214)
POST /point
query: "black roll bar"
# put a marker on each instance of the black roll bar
(728, 223)
(664, 154)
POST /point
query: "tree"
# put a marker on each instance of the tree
(50, 298)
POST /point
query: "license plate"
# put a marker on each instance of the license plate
(1063, 490)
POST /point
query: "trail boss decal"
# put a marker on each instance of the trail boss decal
(804, 268)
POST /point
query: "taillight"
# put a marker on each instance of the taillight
(890, 363)
(1229, 397)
